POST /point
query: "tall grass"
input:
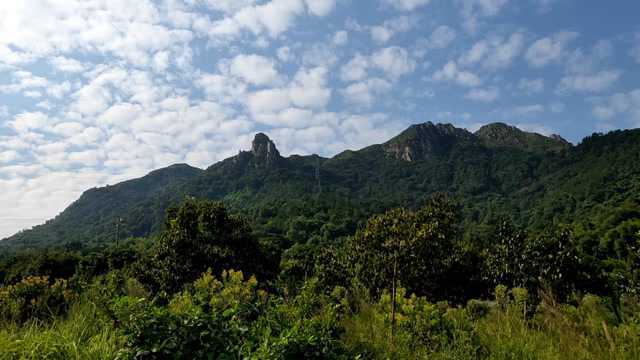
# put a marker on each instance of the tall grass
(83, 334)
(510, 329)
(586, 331)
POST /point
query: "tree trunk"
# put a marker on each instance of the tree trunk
(393, 296)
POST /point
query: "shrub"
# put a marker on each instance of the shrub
(35, 298)
(209, 320)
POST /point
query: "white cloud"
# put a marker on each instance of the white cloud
(29, 121)
(255, 69)
(365, 92)
(494, 53)
(129, 31)
(531, 86)
(221, 88)
(406, 5)
(66, 64)
(355, 69)
(309, 88)
(483, 95)
(625, 106)
(284, 54)
(581, 62)
(383, 33)
(23, 80)
(273, 17)
(441, 37)
(504, 53)
(393, 61)
(597, 82)
(8, 156)
(549, 49)
(228, 6)
(451, 72)
(473, 11)
(321, 7)
(340, 38)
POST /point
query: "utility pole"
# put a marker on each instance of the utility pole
(318, 175)
(119, 221)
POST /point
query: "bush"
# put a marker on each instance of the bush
(35, 298)
(209, 320)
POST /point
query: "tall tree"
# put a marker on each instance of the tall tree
(199, 235)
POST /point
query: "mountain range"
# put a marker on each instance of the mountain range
(497, 171)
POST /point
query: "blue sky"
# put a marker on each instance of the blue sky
(93, 92)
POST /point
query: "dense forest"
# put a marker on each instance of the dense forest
(439, 243)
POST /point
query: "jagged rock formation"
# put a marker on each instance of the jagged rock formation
(500, 134)
(423, 140)
(264, 150)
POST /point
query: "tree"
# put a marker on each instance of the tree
(549, 259)
(402, 246)
(200, 234)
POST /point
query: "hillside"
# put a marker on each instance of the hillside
(498, 170)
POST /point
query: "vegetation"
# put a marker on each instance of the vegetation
(401, 287)
(532, 251)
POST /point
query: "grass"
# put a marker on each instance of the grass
(584, 331)
(83, 334)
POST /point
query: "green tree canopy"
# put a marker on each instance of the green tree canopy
(200, 234)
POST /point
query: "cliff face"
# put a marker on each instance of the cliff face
(264, 150)
(263, 154)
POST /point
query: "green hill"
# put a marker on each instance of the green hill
(497, 171)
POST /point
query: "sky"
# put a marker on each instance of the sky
(93, 92)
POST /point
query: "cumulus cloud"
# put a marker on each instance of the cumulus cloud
(597, 82)
(388, 29)
(624, 105)
(321, 7)
(272, 18)
(406, 5)
(531, 86)
(483, 95)
(451, 72)
(549, 49)
(307, 91)
(130, 31)
(340, 38)
(254, 69)
(364, 93)
(494, 53)
(441, 37)
(23, 80)
(355, 69)
(473, 11)
(66, 64)
(228, 6)
(393, 61)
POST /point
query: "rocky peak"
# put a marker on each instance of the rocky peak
(503, 135)
(423, 140)
(264, 150)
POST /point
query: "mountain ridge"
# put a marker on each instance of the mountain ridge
(490, 166)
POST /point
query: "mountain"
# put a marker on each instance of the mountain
(500, 134)
(499, 170)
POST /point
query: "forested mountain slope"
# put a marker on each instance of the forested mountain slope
(497, 171)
